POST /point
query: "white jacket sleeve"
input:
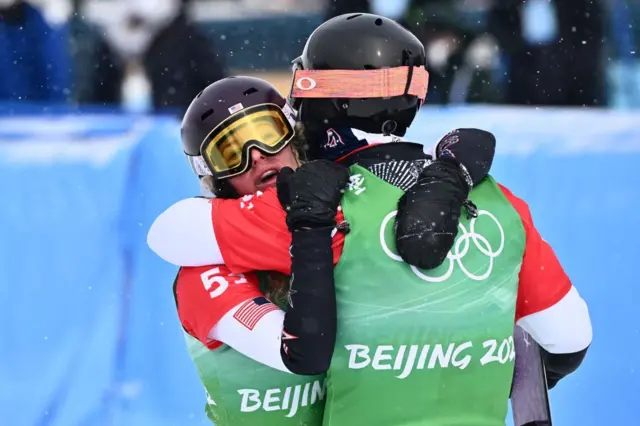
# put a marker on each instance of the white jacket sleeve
(183, 234)
(563, 328)
(262, 343)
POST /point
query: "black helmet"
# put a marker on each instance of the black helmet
(361, 42)
(228, 118)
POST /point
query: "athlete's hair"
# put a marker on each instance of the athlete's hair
(278, 286)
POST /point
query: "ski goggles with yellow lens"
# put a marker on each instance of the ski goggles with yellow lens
(225, 151)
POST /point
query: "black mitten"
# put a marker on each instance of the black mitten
(429, 213)
(474, 149)
(311, 194)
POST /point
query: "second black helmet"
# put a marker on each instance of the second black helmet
(361, 42)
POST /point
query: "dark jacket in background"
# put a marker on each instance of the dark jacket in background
(180, 62)
(340, 7)
(568, 72)
(35, 62)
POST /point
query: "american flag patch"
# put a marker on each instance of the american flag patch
(235, 108)
(252, 310)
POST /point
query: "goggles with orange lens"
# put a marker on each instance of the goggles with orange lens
(359, 84)
(225, 151)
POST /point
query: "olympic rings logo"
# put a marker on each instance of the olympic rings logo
(458, 251)
(311, 83)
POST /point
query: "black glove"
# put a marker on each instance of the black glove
(311, 194)
(473, 148)
(429, 213)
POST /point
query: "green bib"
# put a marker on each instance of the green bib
(243, 392)
(416, 347)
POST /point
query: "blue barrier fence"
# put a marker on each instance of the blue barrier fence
(90, 335)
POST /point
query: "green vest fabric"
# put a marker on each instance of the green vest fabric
(243, 392)
(424, 348)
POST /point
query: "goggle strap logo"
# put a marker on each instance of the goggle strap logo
(198, 165)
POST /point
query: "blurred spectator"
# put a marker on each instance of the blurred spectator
(550, 52)
(460, 56)
(35, 61)
(555, 51)
(152, 57)
(394, 9)
(338, 7)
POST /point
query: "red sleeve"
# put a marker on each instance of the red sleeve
(206, 293)
(543, 282)
(252, 233)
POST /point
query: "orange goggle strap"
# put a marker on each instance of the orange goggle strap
(198, 163)
(360, 84)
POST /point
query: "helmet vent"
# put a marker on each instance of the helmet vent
(406, 57)
(206, 114)
(354, 16)
(200, 94)
(250, 91)
(378, 22)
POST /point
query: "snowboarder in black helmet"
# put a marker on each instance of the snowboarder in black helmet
(363, 71)
(359, 83)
